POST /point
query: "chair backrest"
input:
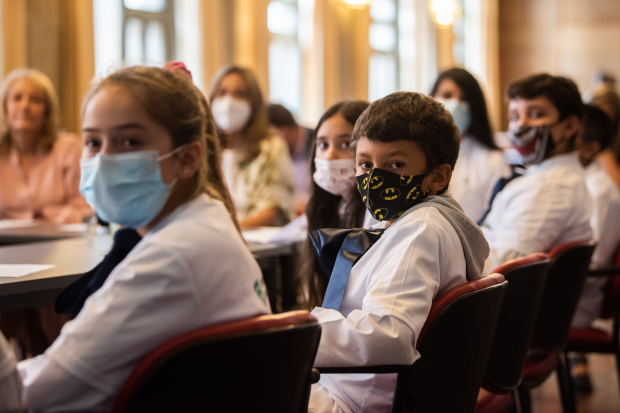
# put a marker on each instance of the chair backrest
(612, 292)
(453, 345)
(526, 280)
(254, 364)
(569, 266)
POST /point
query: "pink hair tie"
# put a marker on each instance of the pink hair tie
(178, 67)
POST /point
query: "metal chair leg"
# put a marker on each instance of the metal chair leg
(565, 384)
(524, 399)
(517, 400)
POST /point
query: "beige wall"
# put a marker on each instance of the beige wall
(56, 37)
(564, 37)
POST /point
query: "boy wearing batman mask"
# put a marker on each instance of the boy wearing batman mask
(405, 147)
(548, 205)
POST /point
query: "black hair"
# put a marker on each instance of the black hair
(413, 117)
(597, 126)
(562, 92)
(480, 127)
(323, 208)
(280, 116)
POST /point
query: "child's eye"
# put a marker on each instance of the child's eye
(323, 145)
(92, 143)
(366, 165)
(514, 116)
(536, 115)
(129, 142)
(396, 165)
(345, 145)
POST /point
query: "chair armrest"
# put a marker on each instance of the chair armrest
(604, 272)
(363, 369)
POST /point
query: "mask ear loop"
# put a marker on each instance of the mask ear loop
(168, 155)
(171, 153)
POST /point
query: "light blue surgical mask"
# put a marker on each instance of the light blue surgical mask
(459, 109)
(126, 188)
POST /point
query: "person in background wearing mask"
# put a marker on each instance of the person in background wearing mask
(299, 140)
(481, 163)
(257, 165)
(596, 136)
(548, 205)
(334, 200)
(145, 166)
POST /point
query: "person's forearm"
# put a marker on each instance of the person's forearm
(264, 218)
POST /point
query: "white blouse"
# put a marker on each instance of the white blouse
(547, 206)
(193, 269)
(476, 171)
(386, 301)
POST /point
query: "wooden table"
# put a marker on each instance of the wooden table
(39, 232)
(72, 258)
(76, 256)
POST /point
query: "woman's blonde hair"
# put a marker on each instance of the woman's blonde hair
(257, 127)
(51, 122)
(180, 107)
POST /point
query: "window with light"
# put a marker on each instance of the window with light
(383, 39)
(284, 54)
(148, 31)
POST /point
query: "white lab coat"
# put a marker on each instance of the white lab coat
(386, 301)
(191, 270)
(605, 222)
(547, 206)
(475, 174)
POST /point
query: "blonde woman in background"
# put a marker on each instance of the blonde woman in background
(257, 164)
(39, 179)
(39, 166)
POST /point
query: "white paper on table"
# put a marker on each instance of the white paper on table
(19, 270)
(262, 235)
(294, 231)
(17, 223)
(73, 227)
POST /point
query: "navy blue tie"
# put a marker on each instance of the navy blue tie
(354, 245)
(499, 186)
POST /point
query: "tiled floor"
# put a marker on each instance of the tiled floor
(604, 399)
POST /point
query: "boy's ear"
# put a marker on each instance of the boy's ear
(440, 179)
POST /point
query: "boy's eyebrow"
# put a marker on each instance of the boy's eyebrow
(398, 152)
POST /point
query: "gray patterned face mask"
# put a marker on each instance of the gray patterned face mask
(533, 142)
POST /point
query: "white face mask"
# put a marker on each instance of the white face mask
(335, 176)
(231, 114)
(459, 109)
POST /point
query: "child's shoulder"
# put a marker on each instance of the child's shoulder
(201, 225)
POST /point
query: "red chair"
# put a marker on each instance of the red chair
(254, 364)
(453, 344)
(569, 265)
(592, 340)
(526, 280)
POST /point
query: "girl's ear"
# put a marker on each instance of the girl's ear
(190, 159)
(440, 178)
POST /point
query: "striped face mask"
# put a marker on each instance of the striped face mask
(387, 195)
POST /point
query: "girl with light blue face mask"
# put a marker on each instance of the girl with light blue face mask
(131, 173)
(151, 161)
(480, 164)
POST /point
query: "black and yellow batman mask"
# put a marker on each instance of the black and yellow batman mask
(387, 195)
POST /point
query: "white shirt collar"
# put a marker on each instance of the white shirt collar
(570, 159)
